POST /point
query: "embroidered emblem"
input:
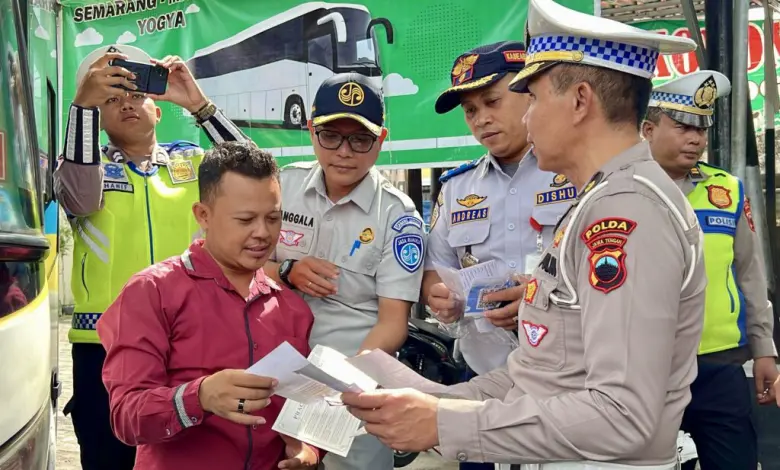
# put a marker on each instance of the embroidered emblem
(436, 208)
(558, 237)
(406, 221)
(695, 173)
(749, 215)
(719, 196)
(559, 181)
(469, 215)
(555, 196)
(605, 238)
(464, 69)
(721, 221)
(514, 56)
(471, 200)
(534, 333)
(367, 235)
(181, 171)
(408, 249)
(114, 172)
(351, 94)
(530, 291)
(289, 237)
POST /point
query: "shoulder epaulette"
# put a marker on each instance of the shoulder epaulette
(460, 170)
(405, 199)
(300, 165)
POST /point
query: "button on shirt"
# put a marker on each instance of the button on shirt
(375, 237)
(175, 323)
(489, 212)
(608, 351)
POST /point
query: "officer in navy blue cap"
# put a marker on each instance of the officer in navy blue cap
(351, 243)
(500, 207)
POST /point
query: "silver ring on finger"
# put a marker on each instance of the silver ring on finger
(309, 285)
(241, 402)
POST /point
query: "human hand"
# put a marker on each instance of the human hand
(765, 376)
(99, 83)
(182, 88)
(226, 392)
(404, 420)
(506, 316)
(776, 387)
(300, 456)
(444, 304)
(312, 276)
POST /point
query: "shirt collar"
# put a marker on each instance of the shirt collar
(695, 175)
(362, 195)
(115, 154)
(489, 160)
(637, 153)
(200, 263)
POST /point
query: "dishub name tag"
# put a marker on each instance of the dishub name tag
(181, 171)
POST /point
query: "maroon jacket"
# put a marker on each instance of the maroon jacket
(175, 323)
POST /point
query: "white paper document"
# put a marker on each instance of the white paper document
(322, 420)
(389, 372)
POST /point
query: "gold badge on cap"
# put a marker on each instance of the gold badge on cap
(351, 94)
(471, 200)
(706, 94)
(181, 171)
(464, 69)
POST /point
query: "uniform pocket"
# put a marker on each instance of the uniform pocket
(468, 234)
(294, 242)
(540, 325)
(357, 274)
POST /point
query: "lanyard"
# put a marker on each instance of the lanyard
(539, 238)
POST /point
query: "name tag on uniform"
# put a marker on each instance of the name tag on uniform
(181, 171)
(556, 195)
(115, 178)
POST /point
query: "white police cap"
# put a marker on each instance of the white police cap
(556, 34)
(133, 54)
(690, 99)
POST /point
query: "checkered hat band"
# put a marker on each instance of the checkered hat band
(626, 55)
(672, 98)
(85, 321)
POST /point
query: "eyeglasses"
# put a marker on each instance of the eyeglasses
(331, 140)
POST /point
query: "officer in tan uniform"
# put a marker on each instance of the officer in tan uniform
(351, 243)
(738, 316)
(612, 317)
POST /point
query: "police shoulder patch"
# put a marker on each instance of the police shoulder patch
(448, 175)
(749, 214)
(606, 239)
(408, 249)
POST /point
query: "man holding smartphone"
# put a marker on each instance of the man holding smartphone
(130, 205)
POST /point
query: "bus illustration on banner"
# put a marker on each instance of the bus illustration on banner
(267, 75)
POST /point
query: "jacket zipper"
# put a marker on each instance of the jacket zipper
(83, 275)
(251, 361)
(149, 217)
(728, 289)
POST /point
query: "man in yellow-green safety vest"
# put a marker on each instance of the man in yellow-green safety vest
(130, 203)
(738, 317)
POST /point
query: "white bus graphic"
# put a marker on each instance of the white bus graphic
(268, 74)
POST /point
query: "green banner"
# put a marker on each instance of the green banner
(682, 64)
(262, 61)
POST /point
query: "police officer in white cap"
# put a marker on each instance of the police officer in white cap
(612, 317)
(500, 207)
(738, 319)
(130, 202)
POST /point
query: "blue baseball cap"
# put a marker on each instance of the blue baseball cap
(479, 68)
(349, 96)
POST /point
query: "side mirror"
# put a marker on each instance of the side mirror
(338, 23)
(389, 34)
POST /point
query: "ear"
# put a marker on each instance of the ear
(158, 111)
(202, 214)
(383, 135)
(647, 129)
(584, 101)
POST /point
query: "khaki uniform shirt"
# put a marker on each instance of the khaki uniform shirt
(375, 237)
(607, 381)
(751, 280)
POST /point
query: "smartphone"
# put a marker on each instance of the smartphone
(148, 78)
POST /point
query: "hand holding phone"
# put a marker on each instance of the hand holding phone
(152, 79)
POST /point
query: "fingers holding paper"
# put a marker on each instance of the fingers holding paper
(506, 316)
(403, 419)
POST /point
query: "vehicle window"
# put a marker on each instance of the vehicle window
(321, 51)
(19, 207)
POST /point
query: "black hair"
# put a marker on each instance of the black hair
(244, 158)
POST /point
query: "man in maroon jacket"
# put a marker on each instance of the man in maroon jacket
(181, 333)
